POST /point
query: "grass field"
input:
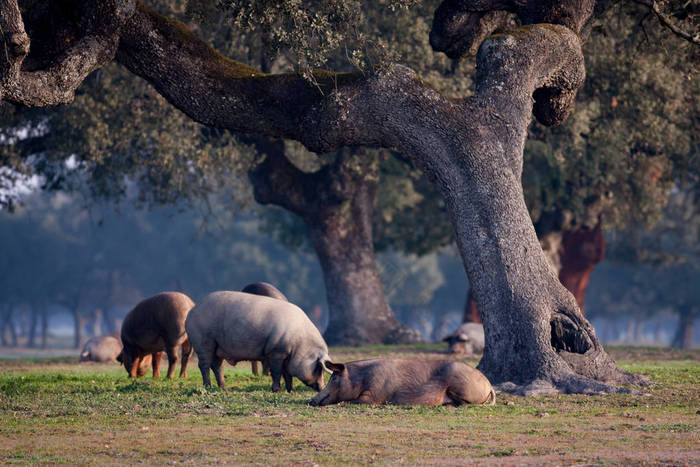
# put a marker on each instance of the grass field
(56, 411)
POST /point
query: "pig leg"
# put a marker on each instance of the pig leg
(276, 363)
(133, 373)
(171, 351)
(206, 355)
(187, 350)
(204, 369)
(265, 367)
(288, 385)
(216, 367)
(365, 398)
(254, 367)
(425, 395)
(155, 362)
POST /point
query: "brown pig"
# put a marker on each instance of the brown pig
(104, 348)
(155, 325)
(406, 382)
(266, 290)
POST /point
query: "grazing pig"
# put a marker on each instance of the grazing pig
(266, 290)
(104, 348)
(406, 382)
(156, 324)
(235, 326)
(467, 339)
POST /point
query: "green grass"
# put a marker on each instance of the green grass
(61, 412)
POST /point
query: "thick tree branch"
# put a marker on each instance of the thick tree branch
(277, 181)
(369, 110)
(666, 21)
(460, 26)
(57, 83)
(14, 39)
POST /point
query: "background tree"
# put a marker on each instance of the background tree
(666, 262)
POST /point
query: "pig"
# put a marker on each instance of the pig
(266, 290)
(235, 326)
(155, 325)
(405, 382)
(467, 339)
(104, 348)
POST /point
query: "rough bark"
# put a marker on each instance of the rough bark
(573, 253)
(336, 203)
(536, 338)
(40, 79)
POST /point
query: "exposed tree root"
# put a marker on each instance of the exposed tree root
(565, 384)
(403, 335)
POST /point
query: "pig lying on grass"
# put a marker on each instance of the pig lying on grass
(406, 382)
(236, 326)
(156, 324)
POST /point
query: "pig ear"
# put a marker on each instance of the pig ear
(120, 357)
(447, 338)
(334, 367)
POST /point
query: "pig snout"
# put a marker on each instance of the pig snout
(456, 346)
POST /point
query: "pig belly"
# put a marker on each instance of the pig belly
(233, 356)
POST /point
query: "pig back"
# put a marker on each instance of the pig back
(157, 319)
(243, 326)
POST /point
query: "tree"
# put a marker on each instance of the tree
(472, 148)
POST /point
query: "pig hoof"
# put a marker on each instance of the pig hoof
(276, 389)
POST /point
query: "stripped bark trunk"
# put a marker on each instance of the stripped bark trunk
(471, 311)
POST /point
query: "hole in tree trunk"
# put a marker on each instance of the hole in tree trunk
(568, 336)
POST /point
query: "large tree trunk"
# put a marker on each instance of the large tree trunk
(683, 338)
(342, 238)
(573, 253)
(336, 203)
